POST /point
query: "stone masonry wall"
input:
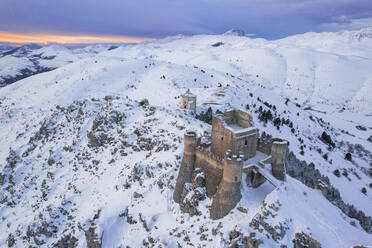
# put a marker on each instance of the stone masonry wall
(243, 119)
(212, 168)
(222, 138)
(263, 146)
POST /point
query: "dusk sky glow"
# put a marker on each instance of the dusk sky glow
(66, 39)
(92, 21)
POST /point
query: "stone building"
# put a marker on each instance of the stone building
(235, 149)
(233, 131)
(188, 101)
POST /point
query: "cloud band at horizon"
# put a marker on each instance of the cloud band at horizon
(67, 39)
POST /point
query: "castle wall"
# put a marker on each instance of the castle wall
(257, 179)
(233, 171)
(222, 138)
(245, 142)
(242, 118)
(263, 146)
(212, 168)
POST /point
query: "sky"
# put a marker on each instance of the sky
(139, 20)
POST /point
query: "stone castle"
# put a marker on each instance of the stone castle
(234, 149)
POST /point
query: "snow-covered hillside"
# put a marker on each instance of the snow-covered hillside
(86, 161)
(31, 59)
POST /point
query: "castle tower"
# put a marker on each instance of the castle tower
(228, 193)
(188, 101)
(278, 153)
(187, 165)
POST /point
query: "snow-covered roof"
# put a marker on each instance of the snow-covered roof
(237, 129)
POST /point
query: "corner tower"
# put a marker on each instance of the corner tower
(278, 152)
(228, 193)
(187, 165)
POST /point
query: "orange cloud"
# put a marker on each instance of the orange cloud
(66, 39)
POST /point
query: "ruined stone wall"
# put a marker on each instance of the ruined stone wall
(242, 118)
(228, 117)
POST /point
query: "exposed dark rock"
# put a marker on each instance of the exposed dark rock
(217, 44)
(303, 240)
(326, 138)
(234, 234)
(144, 102)
(243, 210)
(67, 241)
(206, 116)
(92, 238)
(198, 179)
(137, 195)
(348, 156)
(251, 242)
(11, 240)
(361, 128)
(193, 193)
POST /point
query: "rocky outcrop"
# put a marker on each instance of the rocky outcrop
(303, 240)
(92, 238)
(67, 241)
(193, 193)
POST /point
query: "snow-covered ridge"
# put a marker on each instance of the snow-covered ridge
(32, 59)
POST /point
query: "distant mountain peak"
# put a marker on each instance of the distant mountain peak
(235, 32)
(23, 50)
(364, 33)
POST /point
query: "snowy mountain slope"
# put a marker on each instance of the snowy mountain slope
(82, 155)
(322, 81)
(6, 46)
(276, 63)
(347, 43)
(32, 59)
